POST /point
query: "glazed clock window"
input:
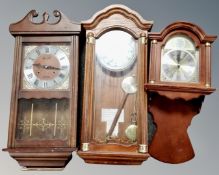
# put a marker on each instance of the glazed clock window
(46, 66)
(116, 50)
(180, 60)
(115, 71)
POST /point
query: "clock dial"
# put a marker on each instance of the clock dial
(116, 50)
(46, 67)
(179, 61)
(178, 65)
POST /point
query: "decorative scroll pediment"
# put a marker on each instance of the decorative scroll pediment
(61, 26)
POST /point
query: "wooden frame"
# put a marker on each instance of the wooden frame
(115, 17)
(201, 40)
(174, 104)
(40, 154)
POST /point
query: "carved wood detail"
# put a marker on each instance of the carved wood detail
(27, 25)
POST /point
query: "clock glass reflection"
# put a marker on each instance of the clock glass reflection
(116, 59)
(180, 60)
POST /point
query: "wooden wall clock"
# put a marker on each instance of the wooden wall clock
(42, 127)
(114, 115)
(179, 78)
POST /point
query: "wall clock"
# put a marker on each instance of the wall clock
(42, 127)
(114, 116)
(179, 78)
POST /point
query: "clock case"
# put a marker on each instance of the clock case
(174, 104)
(44, 152)
(115, 17)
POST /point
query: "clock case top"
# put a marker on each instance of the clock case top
(46, 153)
(201, 41)
(114, 17)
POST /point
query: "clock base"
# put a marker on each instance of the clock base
(119, 158)
(41, 158)
(171, 143)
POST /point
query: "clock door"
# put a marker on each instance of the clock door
(180, 60)
(115, 88)
(44, 104)
(114, 116)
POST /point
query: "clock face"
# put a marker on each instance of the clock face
(179, 61)
(178, 65)
(116, 50)
(46, 67)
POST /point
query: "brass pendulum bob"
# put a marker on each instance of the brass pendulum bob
(131, 130)
(129, 86)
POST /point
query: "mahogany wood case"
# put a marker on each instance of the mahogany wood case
(174, 104)
(93, 148)
(49, 142)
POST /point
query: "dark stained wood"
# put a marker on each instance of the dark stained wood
(171, 143)
(108, 154)
(184, 26)
(44, 152)
(62, 26)
(171, 87)
(41, 158)
(115, 14)
(102, 89)
(42, 94)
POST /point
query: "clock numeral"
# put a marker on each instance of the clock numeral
(64, 67)
(47, 49)
(61, 75)
(30, 75)
(28, 67)
(36, 83)
(55, 51)
(62, 58)
(38, 52)
(45, 85)
(31, 58)
(55, 82)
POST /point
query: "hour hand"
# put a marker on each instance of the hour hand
(52, 67)
(46, 66)
(38, 65)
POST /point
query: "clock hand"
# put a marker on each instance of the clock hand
(38, 65)
(52, 67)
(46, 66)
(178, 57)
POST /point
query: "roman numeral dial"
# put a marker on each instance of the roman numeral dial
(46, 67)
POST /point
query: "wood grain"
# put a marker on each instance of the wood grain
(171, 143)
